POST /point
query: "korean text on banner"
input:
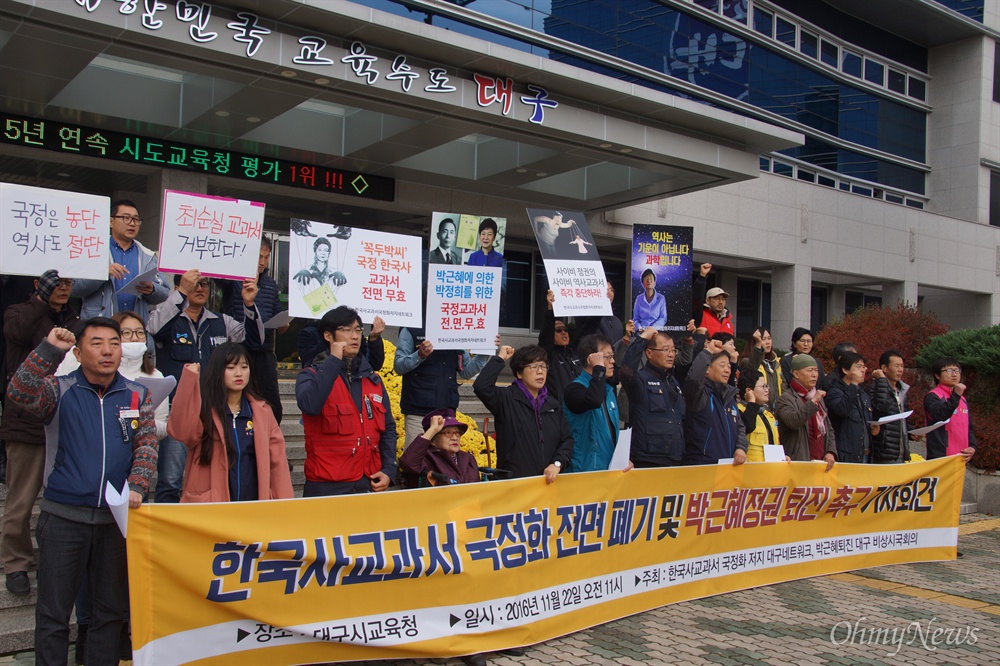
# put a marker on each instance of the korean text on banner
(375, 273)
(463, 306)
(572, 265)
(42, 229)
(218, 236)
(469, 568)
(661, 276)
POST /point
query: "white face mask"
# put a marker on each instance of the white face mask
(133, 351)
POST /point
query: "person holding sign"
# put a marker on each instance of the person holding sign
(713, 428)
(102, 433)
(350, 432)
(947, 401)
(130, 259)
(650, 307)
(218, 416)
(185, 332)
(759, 422)
(655, 400)
(591, 406)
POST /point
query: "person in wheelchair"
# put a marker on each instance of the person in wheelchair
(436, 456)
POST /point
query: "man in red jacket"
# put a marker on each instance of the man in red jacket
(715, 318)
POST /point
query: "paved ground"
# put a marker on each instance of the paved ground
(941, 612)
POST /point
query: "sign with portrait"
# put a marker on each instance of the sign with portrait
(661, 276)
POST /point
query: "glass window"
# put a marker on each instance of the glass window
(918, 89)
(763, 22)
(747, 307)
(826, 180)
(897, 82)
(710, 5)
(829, 53)
(995, 198)
(874, 71)
(783, 169)
(736, 10)
(893, 198)
(996, 72)
(819, 308)
(765, 164)
(915, 203)
(851, 64)
(515, 308)
(860, 189)
(784, 31)
(808, 44)
(808, 176)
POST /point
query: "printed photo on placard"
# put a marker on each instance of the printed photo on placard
(661, 276)
(376, 273)
(572, 264)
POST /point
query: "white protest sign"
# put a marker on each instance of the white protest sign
(42, 229)
(218, 236)
(572, 265)
(375, 273)
(463, 306)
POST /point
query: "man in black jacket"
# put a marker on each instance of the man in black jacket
(655, 401)
(888, 393)
(533, 436)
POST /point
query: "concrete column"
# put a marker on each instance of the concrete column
(837, 301)
(790, 301)
(156, 183)
(896, 292)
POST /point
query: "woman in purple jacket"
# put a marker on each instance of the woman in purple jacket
(436, 455)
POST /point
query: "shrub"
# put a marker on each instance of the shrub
(874, 329)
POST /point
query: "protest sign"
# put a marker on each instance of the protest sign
(463, 307)
(218, 236)
(572, 265)
(42, 229)
(375, 273)
(661, 276)
(471, 568)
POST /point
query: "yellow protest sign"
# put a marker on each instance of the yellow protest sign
(472, 568)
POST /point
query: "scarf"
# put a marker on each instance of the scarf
(536, 403)
(817, 424)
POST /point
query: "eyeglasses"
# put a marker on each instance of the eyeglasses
(562, 329)
(669, 350)
(65, 282)
(537, 367)
(137, 334)
(608, 357)
(452, 433)
(954, 371)
(357, 330)
(202, 284)
(128, 219)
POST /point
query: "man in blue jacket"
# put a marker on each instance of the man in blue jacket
(591, 406)
(655, 400)
(100, 430)
(130, 258)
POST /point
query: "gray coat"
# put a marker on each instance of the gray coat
(99, 295)
(793, 426)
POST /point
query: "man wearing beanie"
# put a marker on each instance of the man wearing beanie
(803, 423)
(25, 326)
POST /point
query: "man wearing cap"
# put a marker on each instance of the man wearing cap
(715, 318)
(436, 455)
(25, 326)
(804, 427)
(130, 258)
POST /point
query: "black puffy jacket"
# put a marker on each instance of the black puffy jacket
(850, 411)
(891, 443)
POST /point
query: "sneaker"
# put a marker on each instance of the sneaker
(512, 652)
(474, 660)
(18, 583)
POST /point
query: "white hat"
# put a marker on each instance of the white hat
(716, 291)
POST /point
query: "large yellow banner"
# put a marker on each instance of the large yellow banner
(472, 568)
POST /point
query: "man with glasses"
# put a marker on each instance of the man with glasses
(25, 326)
(185, 331)
(947, 401)
(655, 400)
(591, 406)
(350, 432)
(129, 259)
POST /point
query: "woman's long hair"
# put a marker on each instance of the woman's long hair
(215, 398)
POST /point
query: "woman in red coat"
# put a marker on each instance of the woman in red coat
(236, 450)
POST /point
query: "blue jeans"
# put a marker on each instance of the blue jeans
(170, 470)
(68, 553)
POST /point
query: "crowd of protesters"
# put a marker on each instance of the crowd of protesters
(78, 413)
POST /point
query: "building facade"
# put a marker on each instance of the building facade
(828, 154)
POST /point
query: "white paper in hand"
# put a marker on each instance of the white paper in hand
(278, 320)
(130, 286)
(892, 417)
(774, 453)
(118, 503)
(725, 461)
(623, 450)
(159, 387)
(931, 428)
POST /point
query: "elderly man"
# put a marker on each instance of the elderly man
(591, 406)
(655, 401)
(446, 252)
(804, 427)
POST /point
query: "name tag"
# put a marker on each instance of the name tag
(129, 414)
(219, 340)
(377, 397)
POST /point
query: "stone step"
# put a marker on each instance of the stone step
(17, 628)
(968, 507)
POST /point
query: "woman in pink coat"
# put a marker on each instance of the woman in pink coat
(236, 451)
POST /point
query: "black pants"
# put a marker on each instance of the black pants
(68, 552)
(329, 488)
(265, 371)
